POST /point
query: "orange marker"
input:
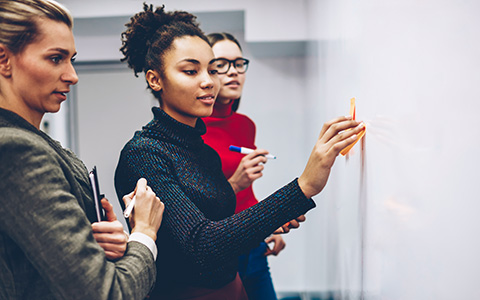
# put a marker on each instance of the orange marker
(359, 136)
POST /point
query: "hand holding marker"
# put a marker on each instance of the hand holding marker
(128, 210)
(244, 150)
(287, 226)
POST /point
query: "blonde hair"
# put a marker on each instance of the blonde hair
(18, 20)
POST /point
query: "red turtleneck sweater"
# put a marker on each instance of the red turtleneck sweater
(224, 128)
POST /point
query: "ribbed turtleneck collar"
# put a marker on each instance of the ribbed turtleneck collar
(221, 110)
(176, 132)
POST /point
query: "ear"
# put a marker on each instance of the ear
(154, 80)
(5, 67)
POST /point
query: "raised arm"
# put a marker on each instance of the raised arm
(334, 136)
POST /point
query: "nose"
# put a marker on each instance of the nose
(232, 71)
(70, 75)
(208, 82)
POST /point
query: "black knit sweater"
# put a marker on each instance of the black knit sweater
(200, 237)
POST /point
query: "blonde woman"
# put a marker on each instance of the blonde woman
(48, 247)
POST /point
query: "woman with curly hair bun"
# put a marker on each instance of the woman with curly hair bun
(201, 237)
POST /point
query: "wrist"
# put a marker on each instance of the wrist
(147, 230)
(234, 186)
(304, 187)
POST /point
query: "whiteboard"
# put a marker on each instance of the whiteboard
(400, 215)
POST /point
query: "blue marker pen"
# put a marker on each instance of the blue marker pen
(244, 150)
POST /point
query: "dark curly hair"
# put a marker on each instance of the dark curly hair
(150, 34)
(216, 37)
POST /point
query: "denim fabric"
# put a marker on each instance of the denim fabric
(255, 274)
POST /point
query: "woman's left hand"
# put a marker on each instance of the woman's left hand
(109, 234)
(295, 223)
(278, 245)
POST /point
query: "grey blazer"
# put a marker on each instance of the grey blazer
(47, 250)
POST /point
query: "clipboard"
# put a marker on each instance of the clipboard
(97, 197)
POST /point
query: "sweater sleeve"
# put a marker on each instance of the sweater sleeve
(209, 244)
(44, 220)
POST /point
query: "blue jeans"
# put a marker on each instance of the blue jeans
(255, 274)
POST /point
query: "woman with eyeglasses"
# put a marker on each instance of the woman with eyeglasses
(201, 237)
(226, 127)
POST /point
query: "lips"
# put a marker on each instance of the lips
(207, 99)
(61, 94)
(64, 92)
(233, 83)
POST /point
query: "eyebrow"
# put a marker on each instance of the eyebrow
(63, 51)
(238, 57)
(190, 60)
(196, 62)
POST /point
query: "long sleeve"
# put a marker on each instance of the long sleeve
(201, 237)
(212, 241)
(46, 241)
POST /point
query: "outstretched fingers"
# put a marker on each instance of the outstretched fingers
(329, 128)
(336, 135)
(346, 138)
(340, 135)
(333, 127)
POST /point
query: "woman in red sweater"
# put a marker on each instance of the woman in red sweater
(226, 127)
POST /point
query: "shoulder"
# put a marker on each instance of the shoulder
(142, 154)
(24, 152)
(211, 152)
(243, 118)
(17, 141)
(243, 123)
(142, 145)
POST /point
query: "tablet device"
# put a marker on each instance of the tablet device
(97, 197)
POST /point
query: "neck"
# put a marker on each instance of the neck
(31, 116)
(224, 101)
(187, 120)
(222, 109)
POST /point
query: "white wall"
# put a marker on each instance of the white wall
(111, 104)
(402, 221)
(281, 19)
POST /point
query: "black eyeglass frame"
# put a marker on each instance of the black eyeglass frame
(233, 62)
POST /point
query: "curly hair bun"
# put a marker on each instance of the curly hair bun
(151, 32)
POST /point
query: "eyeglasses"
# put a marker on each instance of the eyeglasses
(222, 65)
